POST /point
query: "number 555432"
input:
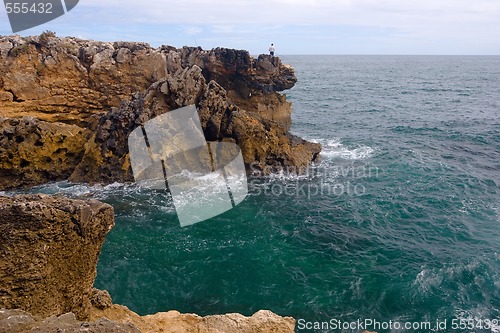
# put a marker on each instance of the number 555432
(25, 8)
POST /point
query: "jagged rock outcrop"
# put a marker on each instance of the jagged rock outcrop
(111, 88)
(262, 142)
(49, 249)
(175, 322)
(69, 79)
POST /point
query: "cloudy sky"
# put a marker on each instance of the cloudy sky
(294, 26)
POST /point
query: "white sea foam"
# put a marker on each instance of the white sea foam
(327, 169)
(127, 191)
(479, 317)
(349, 154)
(140, 194)
(428, 279)
(335, 149)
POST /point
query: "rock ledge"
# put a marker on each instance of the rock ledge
(49, 248)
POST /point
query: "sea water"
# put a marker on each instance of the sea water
(399, 221)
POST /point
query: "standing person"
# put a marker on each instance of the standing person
(271, 50)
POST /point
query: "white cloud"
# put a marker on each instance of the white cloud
(422, 17)
(192, 30)
(302, 11)
(467, 24)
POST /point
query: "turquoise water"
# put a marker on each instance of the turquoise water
(399, 221)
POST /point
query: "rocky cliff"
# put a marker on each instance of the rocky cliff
(49, 248)
(105, 90)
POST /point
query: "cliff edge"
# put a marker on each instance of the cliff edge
(72, 102)
(49, 248)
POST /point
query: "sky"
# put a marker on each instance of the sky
(442, 27)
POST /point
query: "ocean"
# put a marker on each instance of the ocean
(398, 223)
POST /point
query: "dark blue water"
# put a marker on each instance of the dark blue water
(399, 221)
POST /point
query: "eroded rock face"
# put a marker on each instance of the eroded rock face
(262, 142)
(33, 151)
(108, 89)
(49, 249)
(69, 79)
(261, 321)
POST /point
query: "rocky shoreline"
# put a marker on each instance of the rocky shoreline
(67, 107)
(49, 248)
